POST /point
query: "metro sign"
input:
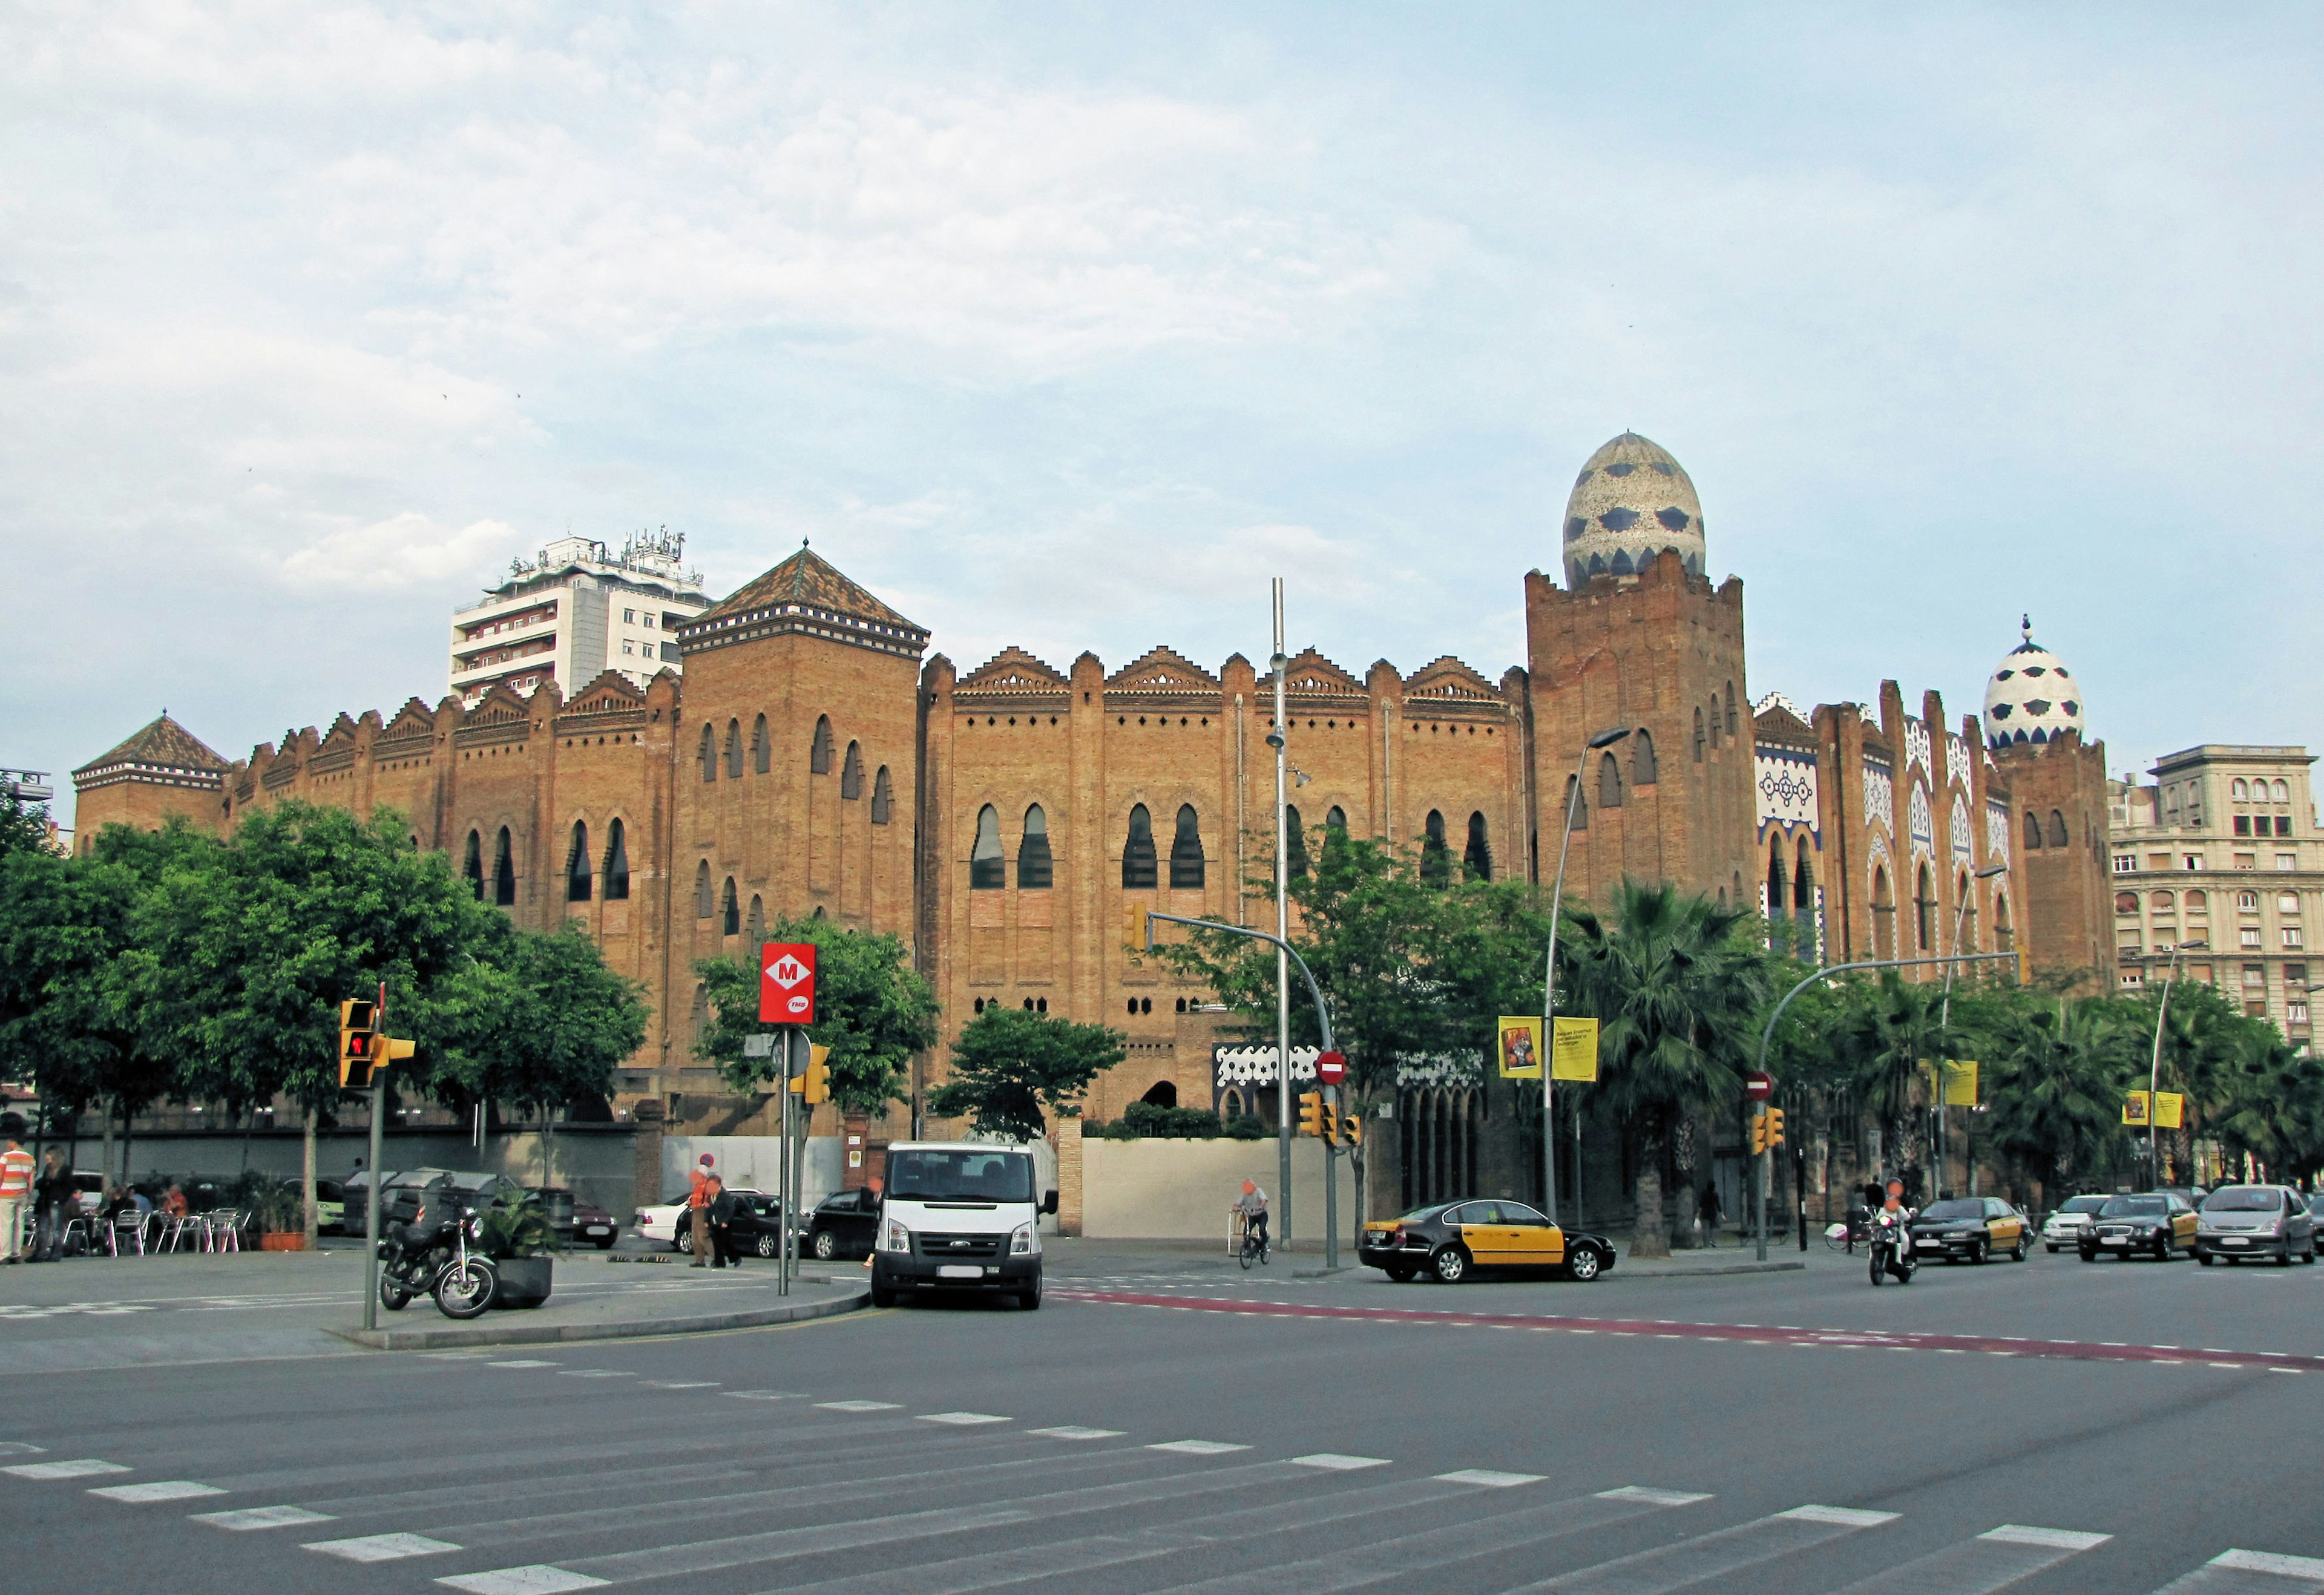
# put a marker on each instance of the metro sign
(787, 984)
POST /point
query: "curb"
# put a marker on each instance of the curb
(542, 1335)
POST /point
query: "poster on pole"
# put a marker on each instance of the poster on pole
(1520, 1046)
(2170, 1110)
(2135, 1109)
(1960, 1083)
(1576, 1054)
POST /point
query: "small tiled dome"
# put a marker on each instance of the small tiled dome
(1631, 501)
(2031, 697)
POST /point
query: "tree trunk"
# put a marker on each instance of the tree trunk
(106, 1162)
(1651, 1239)
(307, 1168)
(128, 1137)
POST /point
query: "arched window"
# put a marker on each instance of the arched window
(1643, 772)
(617, 864)
(2241, 791)
(1965, 936)
(2125, 902)
(1034, 867)
(2002, 940)
(1337, 820)
(1186, 851)
(701, 1009)
(1436, 857)
(754, 928)
(2198, 903)
(1138, 851)
(577, 865)
(2058, 836)
(818, 752)
(734, 751)
(2163, 900)
(1162, 1093)
(1477, 858)
(851, 774)
(1609, 781)
(2282, 793)
(762, 747)
(1883, 916)
(1714, 719)
(472, 868)
(504, 869)
(1925, 910)
(730, 917)
(1698, 736)
(882, 797)
(1730, 710)
(988, 869)
(705, 903)
(2032, 829)
(1577, 805)
(1803, 885)
(709, 755)
(1294, 842)
(1778, 899)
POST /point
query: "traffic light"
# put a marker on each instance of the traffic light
(1758, 1124)
(1351, 1131)
(1135, 930)
(2024, 966)
(1774, 1127)
(358, 1030)
(818, 1075)
(1332, 1124)
(1311, 1112)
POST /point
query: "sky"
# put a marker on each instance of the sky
(1068, 327)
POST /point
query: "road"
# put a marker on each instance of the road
(1170, 1423)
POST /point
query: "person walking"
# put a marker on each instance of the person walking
(54, 1196)
(721, 1208)
(697, 1211)
(15, 1189)
(1708, 1208)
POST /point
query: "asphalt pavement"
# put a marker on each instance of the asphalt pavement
(1166, 1422)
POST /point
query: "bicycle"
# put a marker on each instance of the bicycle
(1846, 1237)
(1254, 1246)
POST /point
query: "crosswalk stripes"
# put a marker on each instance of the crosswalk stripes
(159, 1490)
(1715, 1554)
(382, 1547)
(1994, 1559)
(81, 1468)
(254, 1517)
(2251, 1572)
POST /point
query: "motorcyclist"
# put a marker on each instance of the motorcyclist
(1887, 1230)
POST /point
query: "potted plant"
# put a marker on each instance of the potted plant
(521, 1243)
(278, 1213)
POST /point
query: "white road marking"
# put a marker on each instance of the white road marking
(161, 1489)
(523, 1363)
(788, 1395)
(75, 1470)
(2291, 1567)
(690, 1385)
(1339, 1463)
(964, 1419)
(2061, 1539)
(1998, 1559)
(1193, 1448)
(596, 1373)
(1489, 1478)
(1840, 1517)
(382, 1547)
(250, 1518)
(540, 1579)
(858, 1405)
(21, 1448)
(1075, 1431)
(1660, 1497)
(1716, 1554)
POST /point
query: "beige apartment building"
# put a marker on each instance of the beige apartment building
(2223, 849)
(576, 610)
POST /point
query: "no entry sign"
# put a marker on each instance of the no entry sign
(787, 984)
(1330, 1067)
(1758, 1087)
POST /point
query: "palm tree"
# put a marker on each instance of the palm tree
(2054, 1078)
(1674, 986)
(1881, 1039)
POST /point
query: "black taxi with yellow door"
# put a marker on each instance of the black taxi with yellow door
(1452, 1241)
(1971, 1229)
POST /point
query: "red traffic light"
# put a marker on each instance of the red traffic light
(1330, 1067)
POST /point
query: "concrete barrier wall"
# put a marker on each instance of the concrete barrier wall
(752, 1163)
(1172, 1190)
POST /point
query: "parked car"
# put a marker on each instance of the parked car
(664, 1224)
(331, 1202)
(2066, 1225)
(842, 1225)
(477, 1188)
(2156, 1224)
(576, 1221)
(2240, 1221)
(756, 1228)
(1453, 1240)
(1972, 1227)
(2316, 1208)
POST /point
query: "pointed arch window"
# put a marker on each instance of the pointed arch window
(1698, 736)
(1186, 851)
(472, 868)
(2058, 837)
(1337, 820)
(709, 755)
(2004, 941)
(1035, 868)
(1643, 770)
(734, 751)
(818, 751)
(577, 865)
(617, 863)
(2032, 829)
(988, 869)
(504, 869)
(730, 916)
(755, 926)
(882, 797)
(851, 774)
(1138, 851)
(1436, 857)
(706, 903)
(1925, 910)
(1730, 710)
(701, 1009)
(1883, 916)
(1804, 883)
(1967, 934)
(1779, 900)
(1714, 719)
(1577, 803)
(762, 747)
(1295, 843)
(1609, 781)
(1477, 858)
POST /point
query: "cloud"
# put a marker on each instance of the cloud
(404, 551)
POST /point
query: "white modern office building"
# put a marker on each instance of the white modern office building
(575, 610)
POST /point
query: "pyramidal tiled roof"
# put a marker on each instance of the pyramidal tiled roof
(805, 577)
(163, 743)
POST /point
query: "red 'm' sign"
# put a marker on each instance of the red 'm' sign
(787, 984)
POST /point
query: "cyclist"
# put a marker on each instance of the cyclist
(1253, 1205)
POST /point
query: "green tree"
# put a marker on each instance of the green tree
(1009, 1064)
(24, 827)
(873, 1009)
(1888, 1029)
(2053, 1077)
(1675, 984)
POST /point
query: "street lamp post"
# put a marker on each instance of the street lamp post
(2154, 1069)
(1277, 736)
(1604, 739)
(1945, 1019)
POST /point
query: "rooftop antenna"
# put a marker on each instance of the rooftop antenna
(2025, 626)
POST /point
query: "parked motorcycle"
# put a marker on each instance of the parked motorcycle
(1891, 1244)
(424, 1250)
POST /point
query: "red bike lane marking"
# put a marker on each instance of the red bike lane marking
(1763, 1334)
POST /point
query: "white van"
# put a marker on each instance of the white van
(960, 1215)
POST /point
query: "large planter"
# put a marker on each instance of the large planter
(524, 1282)
(287, 1241)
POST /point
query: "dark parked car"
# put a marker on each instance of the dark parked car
(576, 1221)
(842, 1225)
(2240, 1221)
(2154, 1223)
(757, 1226)
(1970, 1227)
(1452, 1239)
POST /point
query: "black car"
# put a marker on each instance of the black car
(2159, 1224)
(1452, 1240)
(577, 1222)
(842, 1225)
(757, 1226)
(1971, 1229)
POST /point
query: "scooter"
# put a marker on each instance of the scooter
(1891, 1246)
(426, 1254)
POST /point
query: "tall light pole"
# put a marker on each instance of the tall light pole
(1945, 1017)
(2154, 1069)
(1604, 739)
(1276, 738)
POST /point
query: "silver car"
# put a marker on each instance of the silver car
(2066, 1225)
(2240, 1221)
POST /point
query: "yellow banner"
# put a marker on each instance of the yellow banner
(2135, 1109)
(1960, 1083)
(1576, 1057)
(2170, 1110)
(1520, 1046)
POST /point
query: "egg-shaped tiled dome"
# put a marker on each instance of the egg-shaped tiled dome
(2031, 697)
(1631, 501)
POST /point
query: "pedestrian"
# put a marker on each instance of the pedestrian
(697, 1211)
(721, 1210)
(54, 1195)
(15, 1189)
(1710, 1210)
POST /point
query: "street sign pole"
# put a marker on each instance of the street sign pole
(371, 1207)
(783, 1170)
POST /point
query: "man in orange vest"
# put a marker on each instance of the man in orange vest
(15, 1190)
(697, 1211)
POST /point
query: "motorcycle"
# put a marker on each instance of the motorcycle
(1891, 1244)
(425, 1252)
